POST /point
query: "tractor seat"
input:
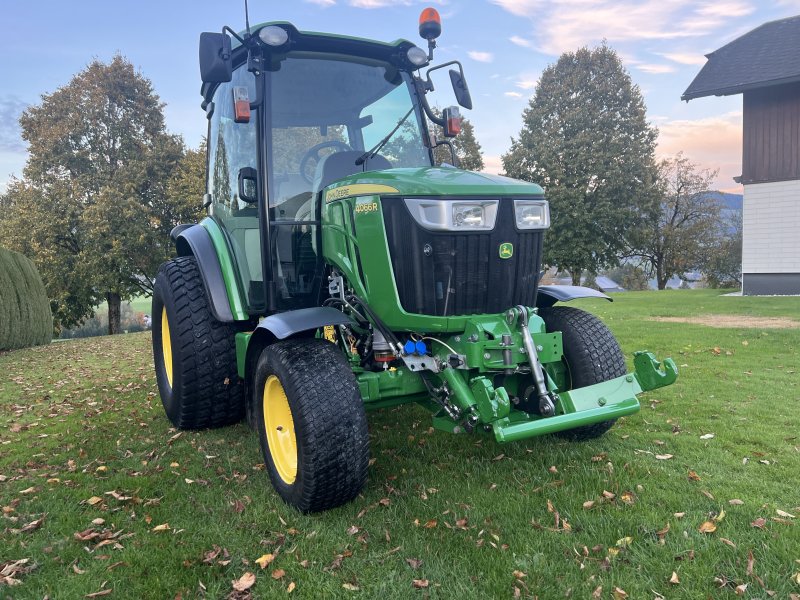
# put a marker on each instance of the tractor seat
(341, 164)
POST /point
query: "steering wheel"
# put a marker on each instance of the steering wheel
(313, 154)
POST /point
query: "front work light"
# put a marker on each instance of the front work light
(453, 215)
(417, 56)
(532, 214)
(273, 35)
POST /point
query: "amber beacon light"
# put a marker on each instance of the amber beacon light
(430, 24)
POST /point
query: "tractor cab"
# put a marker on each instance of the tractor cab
(290, 113)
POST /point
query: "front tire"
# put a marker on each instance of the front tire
(194, 354)
(591, 355)
(311, 424)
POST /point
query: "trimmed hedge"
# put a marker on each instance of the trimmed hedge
(25, 317)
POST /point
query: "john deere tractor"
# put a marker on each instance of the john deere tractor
(339, 270)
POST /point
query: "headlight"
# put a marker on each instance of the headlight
(417, 56)
(532, 214)
(453, 215)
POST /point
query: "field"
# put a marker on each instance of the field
(696, 496)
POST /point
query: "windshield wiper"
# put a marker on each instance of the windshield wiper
(372, 152)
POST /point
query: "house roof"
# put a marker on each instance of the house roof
(768, 55)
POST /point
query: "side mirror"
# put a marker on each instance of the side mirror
(216, 65)
(248, 185)
(460, 89)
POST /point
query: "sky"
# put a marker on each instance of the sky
(503, 44)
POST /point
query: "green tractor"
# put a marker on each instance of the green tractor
(340, 270)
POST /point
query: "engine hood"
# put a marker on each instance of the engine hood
(429, 181)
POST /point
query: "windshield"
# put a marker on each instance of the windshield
(325, 113)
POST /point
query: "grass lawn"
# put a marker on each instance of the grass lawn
(85, 446)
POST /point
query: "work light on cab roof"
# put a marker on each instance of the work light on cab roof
(341, 269)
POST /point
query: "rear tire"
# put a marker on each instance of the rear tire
(194, 354)
(311, 424)
(591, 354)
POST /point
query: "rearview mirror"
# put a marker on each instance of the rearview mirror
(216, 65)
(460, 89)
(248, 185)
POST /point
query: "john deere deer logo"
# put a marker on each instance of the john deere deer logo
(506, 250)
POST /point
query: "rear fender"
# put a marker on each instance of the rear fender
(194, 240)
(548, 295)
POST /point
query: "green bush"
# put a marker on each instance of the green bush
(25, 317)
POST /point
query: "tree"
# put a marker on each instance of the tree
(468, 149)
(90, 210)
(586, 140)
(723, 265)
(684, 224)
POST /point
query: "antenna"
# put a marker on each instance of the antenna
(246, 18)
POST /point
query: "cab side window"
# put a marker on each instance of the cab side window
(232, 147)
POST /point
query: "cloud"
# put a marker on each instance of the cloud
(527, 81)
(520, 41)
(656, 69)
(564, 25)
(11, 108)
(712, 142)
(684, 58)
(322, 3)
(521, 8)
(485, 57)
(513, 94)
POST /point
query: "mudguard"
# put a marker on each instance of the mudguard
(550, 294)
(286, 324)
(195, 241)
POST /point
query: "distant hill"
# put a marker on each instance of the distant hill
(729, 201)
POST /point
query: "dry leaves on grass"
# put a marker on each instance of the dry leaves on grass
(674, 580)
(707, 527)
(32, 526)
(245, 582)
(265, 559)
(420, 584)
(414, 563)
(11, 571)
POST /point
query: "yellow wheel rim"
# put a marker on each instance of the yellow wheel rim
(279, 425)
(166, 346)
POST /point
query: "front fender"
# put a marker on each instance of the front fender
(548, 295)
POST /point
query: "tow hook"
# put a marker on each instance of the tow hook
(547, 407)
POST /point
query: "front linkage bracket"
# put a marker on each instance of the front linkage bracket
(547, 407)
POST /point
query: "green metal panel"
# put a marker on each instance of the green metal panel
(225, 256)
(242, 341)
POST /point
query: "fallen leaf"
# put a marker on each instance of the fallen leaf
(679, 515)
(741, 589)
(720, 516)
(105, 592)
(352, 530)
(662, 457)
(414, 563)
(278, 573)
(77, 570)
(662, 532)
(674, 580)
(350, 587)
(707, 436)
(707, 527)
(609, 495)
(707, 494)
(782, 513)
(597, 593)
(32, 526)
(162, 527)
(94, 500)
(693, 476)
(750, 562)
(588, 504)
(620, 594)
(519, 575)
(430, 524)
(290, 587)
(736, 502)
(626, 541)
(420, 583)
(627, 497)
(728, 542)
(98, 521)
(245, 582)
(759, 522)
(263, 560)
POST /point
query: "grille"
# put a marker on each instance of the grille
(446, 273)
